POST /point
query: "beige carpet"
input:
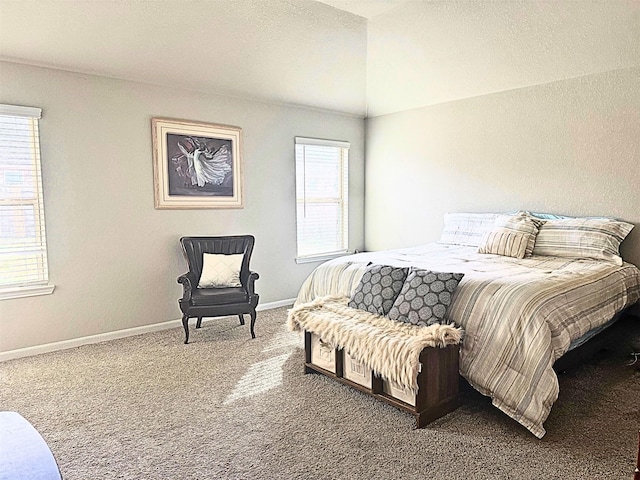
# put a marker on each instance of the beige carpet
(226, 406)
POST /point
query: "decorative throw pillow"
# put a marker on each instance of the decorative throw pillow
(425, 297)
(220, 270)
(466, 228)
(378, 288)
(592, 238)
(503, 242)
(524, 224)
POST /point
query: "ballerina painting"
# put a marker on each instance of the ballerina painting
(191, 165)
(203, 165)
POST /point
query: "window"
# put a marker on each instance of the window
(23, 248)
(322, 183)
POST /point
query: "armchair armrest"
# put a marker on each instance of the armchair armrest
(253, 276)
(188, 282)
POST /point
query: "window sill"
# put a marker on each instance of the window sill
(21, 292)
(321, 258)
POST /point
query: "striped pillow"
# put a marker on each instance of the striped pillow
(593, 238)
(525, 223)
(520, 223)
(503, 242)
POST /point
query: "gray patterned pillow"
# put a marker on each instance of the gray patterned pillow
(378, 288)
(425, 297)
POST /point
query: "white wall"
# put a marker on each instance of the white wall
(496, 106)
(567, 147)
(113, 258)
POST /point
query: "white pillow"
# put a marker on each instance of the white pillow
(466, 228)
(220, 270)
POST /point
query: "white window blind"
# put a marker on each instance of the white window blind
(322, 205)
(23, 249)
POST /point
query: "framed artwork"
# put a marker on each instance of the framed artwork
(196, 165)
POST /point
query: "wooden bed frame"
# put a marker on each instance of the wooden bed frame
(607, 339)
(438, 381)
(636, 474)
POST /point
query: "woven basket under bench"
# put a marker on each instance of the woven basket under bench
(438, 379)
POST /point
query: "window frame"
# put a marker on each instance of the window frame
(40, 286)
(343, 199)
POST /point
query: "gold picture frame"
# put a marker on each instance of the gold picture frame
(196, 165)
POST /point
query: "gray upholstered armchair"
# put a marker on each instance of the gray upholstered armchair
(221, 301)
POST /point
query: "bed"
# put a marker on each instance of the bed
(520, 312)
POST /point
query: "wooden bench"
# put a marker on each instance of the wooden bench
(438, 380)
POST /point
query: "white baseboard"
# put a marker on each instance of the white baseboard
(103, 337)
(278, 304)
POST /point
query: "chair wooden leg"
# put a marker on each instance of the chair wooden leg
(185, 324)
(253, 322)
(199, 322)
(241, 319)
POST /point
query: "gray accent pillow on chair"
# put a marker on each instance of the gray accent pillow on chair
(425, 297)
(378, 288)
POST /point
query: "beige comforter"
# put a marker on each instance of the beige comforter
(519, 316)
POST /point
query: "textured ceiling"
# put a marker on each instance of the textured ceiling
(427, 53)
(360, 57)
(284, 51)
(365, 8)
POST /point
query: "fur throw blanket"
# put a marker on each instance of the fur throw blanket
(392, 349)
